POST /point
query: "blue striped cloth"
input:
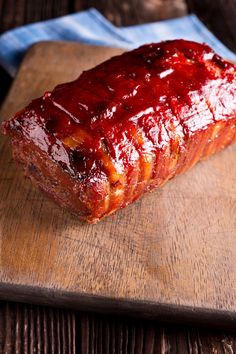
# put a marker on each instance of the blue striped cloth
(92, 28)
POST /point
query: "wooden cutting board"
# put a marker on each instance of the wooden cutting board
(171, 255)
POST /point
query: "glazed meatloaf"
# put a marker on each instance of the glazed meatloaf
(127, 126)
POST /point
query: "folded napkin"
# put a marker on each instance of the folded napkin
(92, 28)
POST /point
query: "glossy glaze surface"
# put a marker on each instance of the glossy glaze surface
(135, 121)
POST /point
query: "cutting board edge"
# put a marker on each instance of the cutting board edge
(118, 306)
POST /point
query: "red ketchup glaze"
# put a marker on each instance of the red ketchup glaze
(129, 118)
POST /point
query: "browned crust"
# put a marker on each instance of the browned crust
(49, 177)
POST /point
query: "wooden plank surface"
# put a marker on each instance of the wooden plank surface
(170, 254)
(219, 17)
(121, 12)
(27, 329)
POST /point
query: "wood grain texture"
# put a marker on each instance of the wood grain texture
(14, 13)
(219, 16)
(170, 254)
(27, 329)
(125, 13)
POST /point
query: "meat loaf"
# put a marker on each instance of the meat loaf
(127, 126)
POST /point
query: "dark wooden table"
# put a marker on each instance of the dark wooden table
(35, 329)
